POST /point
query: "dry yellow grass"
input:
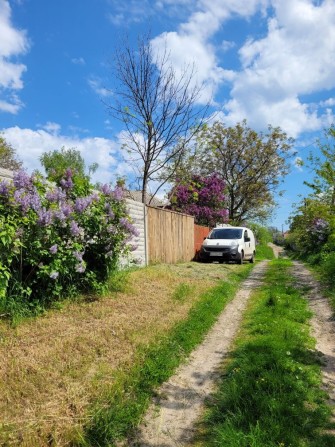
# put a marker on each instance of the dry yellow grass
(52, 368)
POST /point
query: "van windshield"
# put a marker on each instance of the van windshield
(226, 233)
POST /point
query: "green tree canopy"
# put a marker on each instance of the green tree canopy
(252, 165)
(8, 158)
(323, 185)
(57, 162)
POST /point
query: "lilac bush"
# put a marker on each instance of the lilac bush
(320, 229)
(201, 197)
(54, 243)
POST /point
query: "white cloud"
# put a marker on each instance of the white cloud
(78, 61)
(31, 144)
(13, 42)
(52, 128)
(191, 43)
(294, 59)
(11, 106)
(330, 102)
(96, 85)
(125, 13)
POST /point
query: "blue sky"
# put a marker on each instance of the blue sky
(268, 61)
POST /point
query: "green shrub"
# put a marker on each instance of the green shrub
(54, 243)
(328, 269)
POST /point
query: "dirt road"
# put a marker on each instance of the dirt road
(171, 418)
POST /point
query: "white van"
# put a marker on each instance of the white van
(229, 244)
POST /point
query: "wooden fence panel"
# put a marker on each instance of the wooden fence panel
(200, 233)
(170, 236)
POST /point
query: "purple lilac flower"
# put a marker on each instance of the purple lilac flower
(106, 189)
(27, 199)
(67, 184)
(80, 268)
(35, 201)
(21, 199)
(75, 229)
(135, 231)
(22, 180)
(56, 195)
(129, 227)
(78, 255)
(109, 210)
(4, 188)
(69, 173)
(66, 209)
(45, 217)
(320, 227)
(183, 193)
(59, 215)
(118, 193)
(54, 275)
(53, 250)
(82, 203)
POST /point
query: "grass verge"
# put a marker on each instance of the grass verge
(270, 393)
(121, 407)
(263, 251)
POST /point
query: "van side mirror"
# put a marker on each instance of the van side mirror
(247, 239)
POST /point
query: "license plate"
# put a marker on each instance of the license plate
(216, 253)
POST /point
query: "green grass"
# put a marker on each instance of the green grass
(263, 251)
(182, 291)
(120, 408)
(269, 395)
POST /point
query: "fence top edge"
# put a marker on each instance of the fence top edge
(170, 211)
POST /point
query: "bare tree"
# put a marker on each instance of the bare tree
(160, 110)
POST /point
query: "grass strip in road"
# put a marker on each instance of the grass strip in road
(264, 252)
(120, 409)
(270, 394)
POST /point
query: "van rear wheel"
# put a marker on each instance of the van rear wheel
(252, 259)
(240, 261)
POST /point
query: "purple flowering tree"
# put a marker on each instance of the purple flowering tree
(201, 197)
(54, 242)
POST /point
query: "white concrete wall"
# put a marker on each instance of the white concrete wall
(137, 212)
(5, 174)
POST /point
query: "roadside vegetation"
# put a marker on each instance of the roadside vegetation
(59, 237)
(84, 373)
(269, 393)
(312, 228)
